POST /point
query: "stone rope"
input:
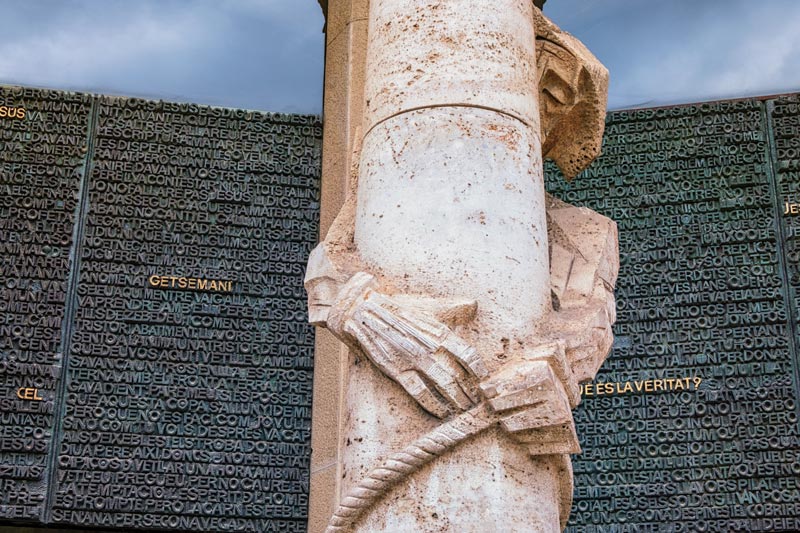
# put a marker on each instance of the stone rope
(401, 465)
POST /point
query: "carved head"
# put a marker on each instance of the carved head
(573, 95)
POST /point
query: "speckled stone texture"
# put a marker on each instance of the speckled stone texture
(472, 304)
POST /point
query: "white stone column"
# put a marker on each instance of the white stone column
(451, 204)
(450, 186)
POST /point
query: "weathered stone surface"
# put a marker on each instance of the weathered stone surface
(436, 274)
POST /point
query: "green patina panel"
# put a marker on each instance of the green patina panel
(692, 422)
(165, 328)
(155, 354)
(43, 157)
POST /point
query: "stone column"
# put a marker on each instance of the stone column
(450, 185)
(468, 331)
(451, 203)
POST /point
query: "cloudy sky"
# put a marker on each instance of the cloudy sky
(268, 54)
(670, 51)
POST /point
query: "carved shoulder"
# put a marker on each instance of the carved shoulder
(573, 87)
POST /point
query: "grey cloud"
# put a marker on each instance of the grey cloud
(268, 54)
(240, 53)
(688, 50)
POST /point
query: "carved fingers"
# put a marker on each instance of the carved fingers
(409, 345)
(534, 405)
(587, 335)
(323, 283)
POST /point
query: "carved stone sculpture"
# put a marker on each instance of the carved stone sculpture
(473, 303)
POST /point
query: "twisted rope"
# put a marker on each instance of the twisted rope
(401, 465)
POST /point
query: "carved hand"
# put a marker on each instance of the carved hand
(404, 338)
(533, 397)
(534, 394)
